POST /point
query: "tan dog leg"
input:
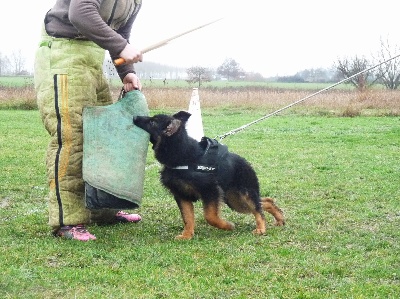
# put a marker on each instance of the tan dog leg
(260, 224)
(269, 206)
(187, 212)
(211, 214)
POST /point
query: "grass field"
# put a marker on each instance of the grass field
(336, 178)
(21, 81)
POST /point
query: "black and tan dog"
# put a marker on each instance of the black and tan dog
(205, 171)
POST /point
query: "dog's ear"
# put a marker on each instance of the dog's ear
(172, 127)
(182, 115)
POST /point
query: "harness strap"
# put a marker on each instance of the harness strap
(181, 167)
(209, 161)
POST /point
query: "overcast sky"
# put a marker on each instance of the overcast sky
(269, 37)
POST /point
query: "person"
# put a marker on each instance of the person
(68, 76)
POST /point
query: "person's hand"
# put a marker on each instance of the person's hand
(130, 54)
(131, 82)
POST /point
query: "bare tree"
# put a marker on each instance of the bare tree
(388, 72)
(1, 64)
(4, 64)
(230, 69)
(349, 67)
(198, 74)
(18, 62)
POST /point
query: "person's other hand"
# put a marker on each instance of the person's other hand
(131, 82)
(130, 54)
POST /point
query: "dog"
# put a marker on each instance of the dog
(205, 171)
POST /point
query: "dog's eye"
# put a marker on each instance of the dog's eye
(153, 123)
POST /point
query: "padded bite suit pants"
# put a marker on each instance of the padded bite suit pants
(68, 77)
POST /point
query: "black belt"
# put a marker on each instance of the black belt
(78, 37)
(47, 43)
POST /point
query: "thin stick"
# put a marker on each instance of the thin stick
(162, 43)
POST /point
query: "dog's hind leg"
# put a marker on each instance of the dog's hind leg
(212, 215)
(187, 212)
(269, 205)
(246, 204)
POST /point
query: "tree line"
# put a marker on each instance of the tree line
(387, 73)
(379, 69)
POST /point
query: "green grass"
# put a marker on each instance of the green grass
(238, 84)
(24, 81)
(337, 180)
(16, 81)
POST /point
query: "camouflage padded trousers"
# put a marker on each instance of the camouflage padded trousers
(68, 77)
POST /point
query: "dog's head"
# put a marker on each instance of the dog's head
(161, 125)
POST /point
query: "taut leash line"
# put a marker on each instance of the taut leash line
(232, 132)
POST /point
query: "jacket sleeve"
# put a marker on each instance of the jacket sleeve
(125, 32)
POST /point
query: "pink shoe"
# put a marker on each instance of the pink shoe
(122, 216)
(75, 232)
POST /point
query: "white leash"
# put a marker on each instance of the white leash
(232, 132)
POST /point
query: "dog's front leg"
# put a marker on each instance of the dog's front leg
(187, 212)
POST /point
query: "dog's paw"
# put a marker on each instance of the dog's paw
(184, 237)
(280, 222)
(259, 232)
(229, 226)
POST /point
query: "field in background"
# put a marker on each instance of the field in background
(18, 92)
(336, 180)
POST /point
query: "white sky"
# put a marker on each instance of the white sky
(269, 37)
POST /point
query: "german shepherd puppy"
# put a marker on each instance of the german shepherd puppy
(205, 171)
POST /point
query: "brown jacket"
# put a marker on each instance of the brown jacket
(108, 23)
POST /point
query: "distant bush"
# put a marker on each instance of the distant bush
(291, 79)
(17, 98)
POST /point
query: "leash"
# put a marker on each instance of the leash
(232, 132)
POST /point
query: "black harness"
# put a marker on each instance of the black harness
(208, 162)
